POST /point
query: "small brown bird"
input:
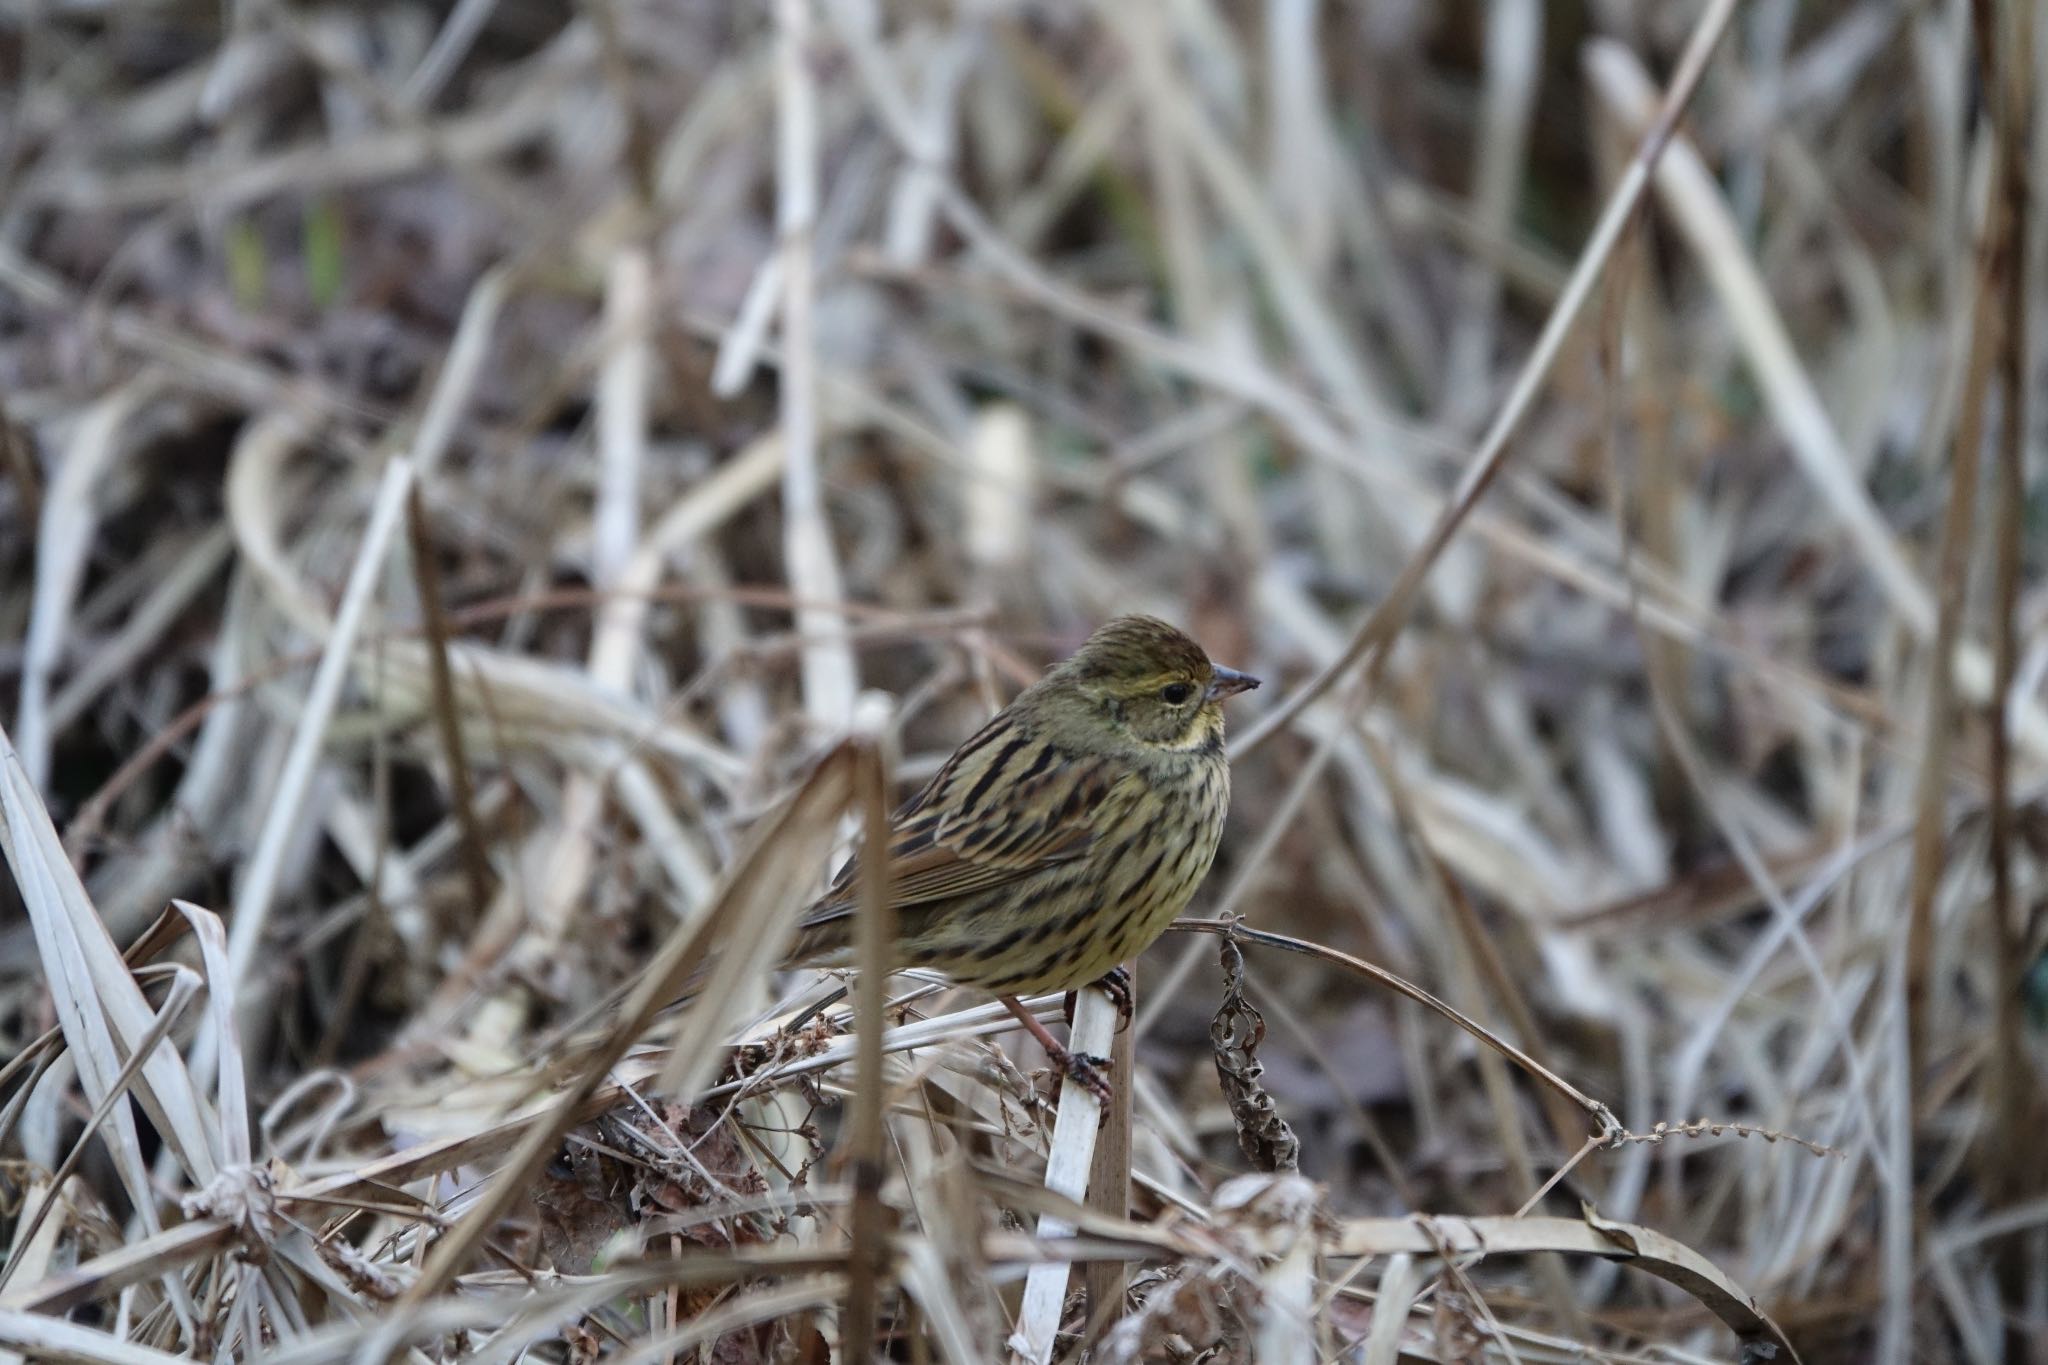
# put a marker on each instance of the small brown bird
(1064, 837)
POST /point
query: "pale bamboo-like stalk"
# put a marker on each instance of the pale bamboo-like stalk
(1066, 1173)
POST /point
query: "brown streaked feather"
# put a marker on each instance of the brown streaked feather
(950, 840)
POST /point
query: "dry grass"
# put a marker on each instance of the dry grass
(493, 494)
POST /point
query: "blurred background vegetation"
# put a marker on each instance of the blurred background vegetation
(747, 358)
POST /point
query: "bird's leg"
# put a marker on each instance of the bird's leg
(1079, 1065)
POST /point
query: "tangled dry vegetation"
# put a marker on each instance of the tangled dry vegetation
(496, 493)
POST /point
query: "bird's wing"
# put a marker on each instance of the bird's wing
(1005, 806)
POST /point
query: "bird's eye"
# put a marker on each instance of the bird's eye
(1173, 694)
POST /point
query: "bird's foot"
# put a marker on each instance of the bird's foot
(1116, 984)
(1079, 1066)
(1085, 1070)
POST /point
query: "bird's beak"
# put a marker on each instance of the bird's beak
(1228, 682)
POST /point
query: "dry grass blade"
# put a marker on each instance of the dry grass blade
(57, 1342)
(184, 988)
(1397, 1287)
(874, 938)
(1283, 1210)
(1639, 1248)
(1959, 539)
(102, 1012)
(462, 790)
(537, 1313)
(133, 1263)
(762, 1306)
(2015, 1175)
(64, 536)
(196, 566)
(104, 1017)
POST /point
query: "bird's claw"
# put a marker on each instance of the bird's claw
(1086, 1070)
(1116, 984)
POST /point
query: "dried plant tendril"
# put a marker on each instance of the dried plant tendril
(1234, 1035)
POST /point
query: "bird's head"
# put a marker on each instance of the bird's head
(1149, 684)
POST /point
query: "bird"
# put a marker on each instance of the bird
(1062, 837)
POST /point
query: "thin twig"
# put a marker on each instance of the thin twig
(1602, 1116)
(476, 865)
(875, 936)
